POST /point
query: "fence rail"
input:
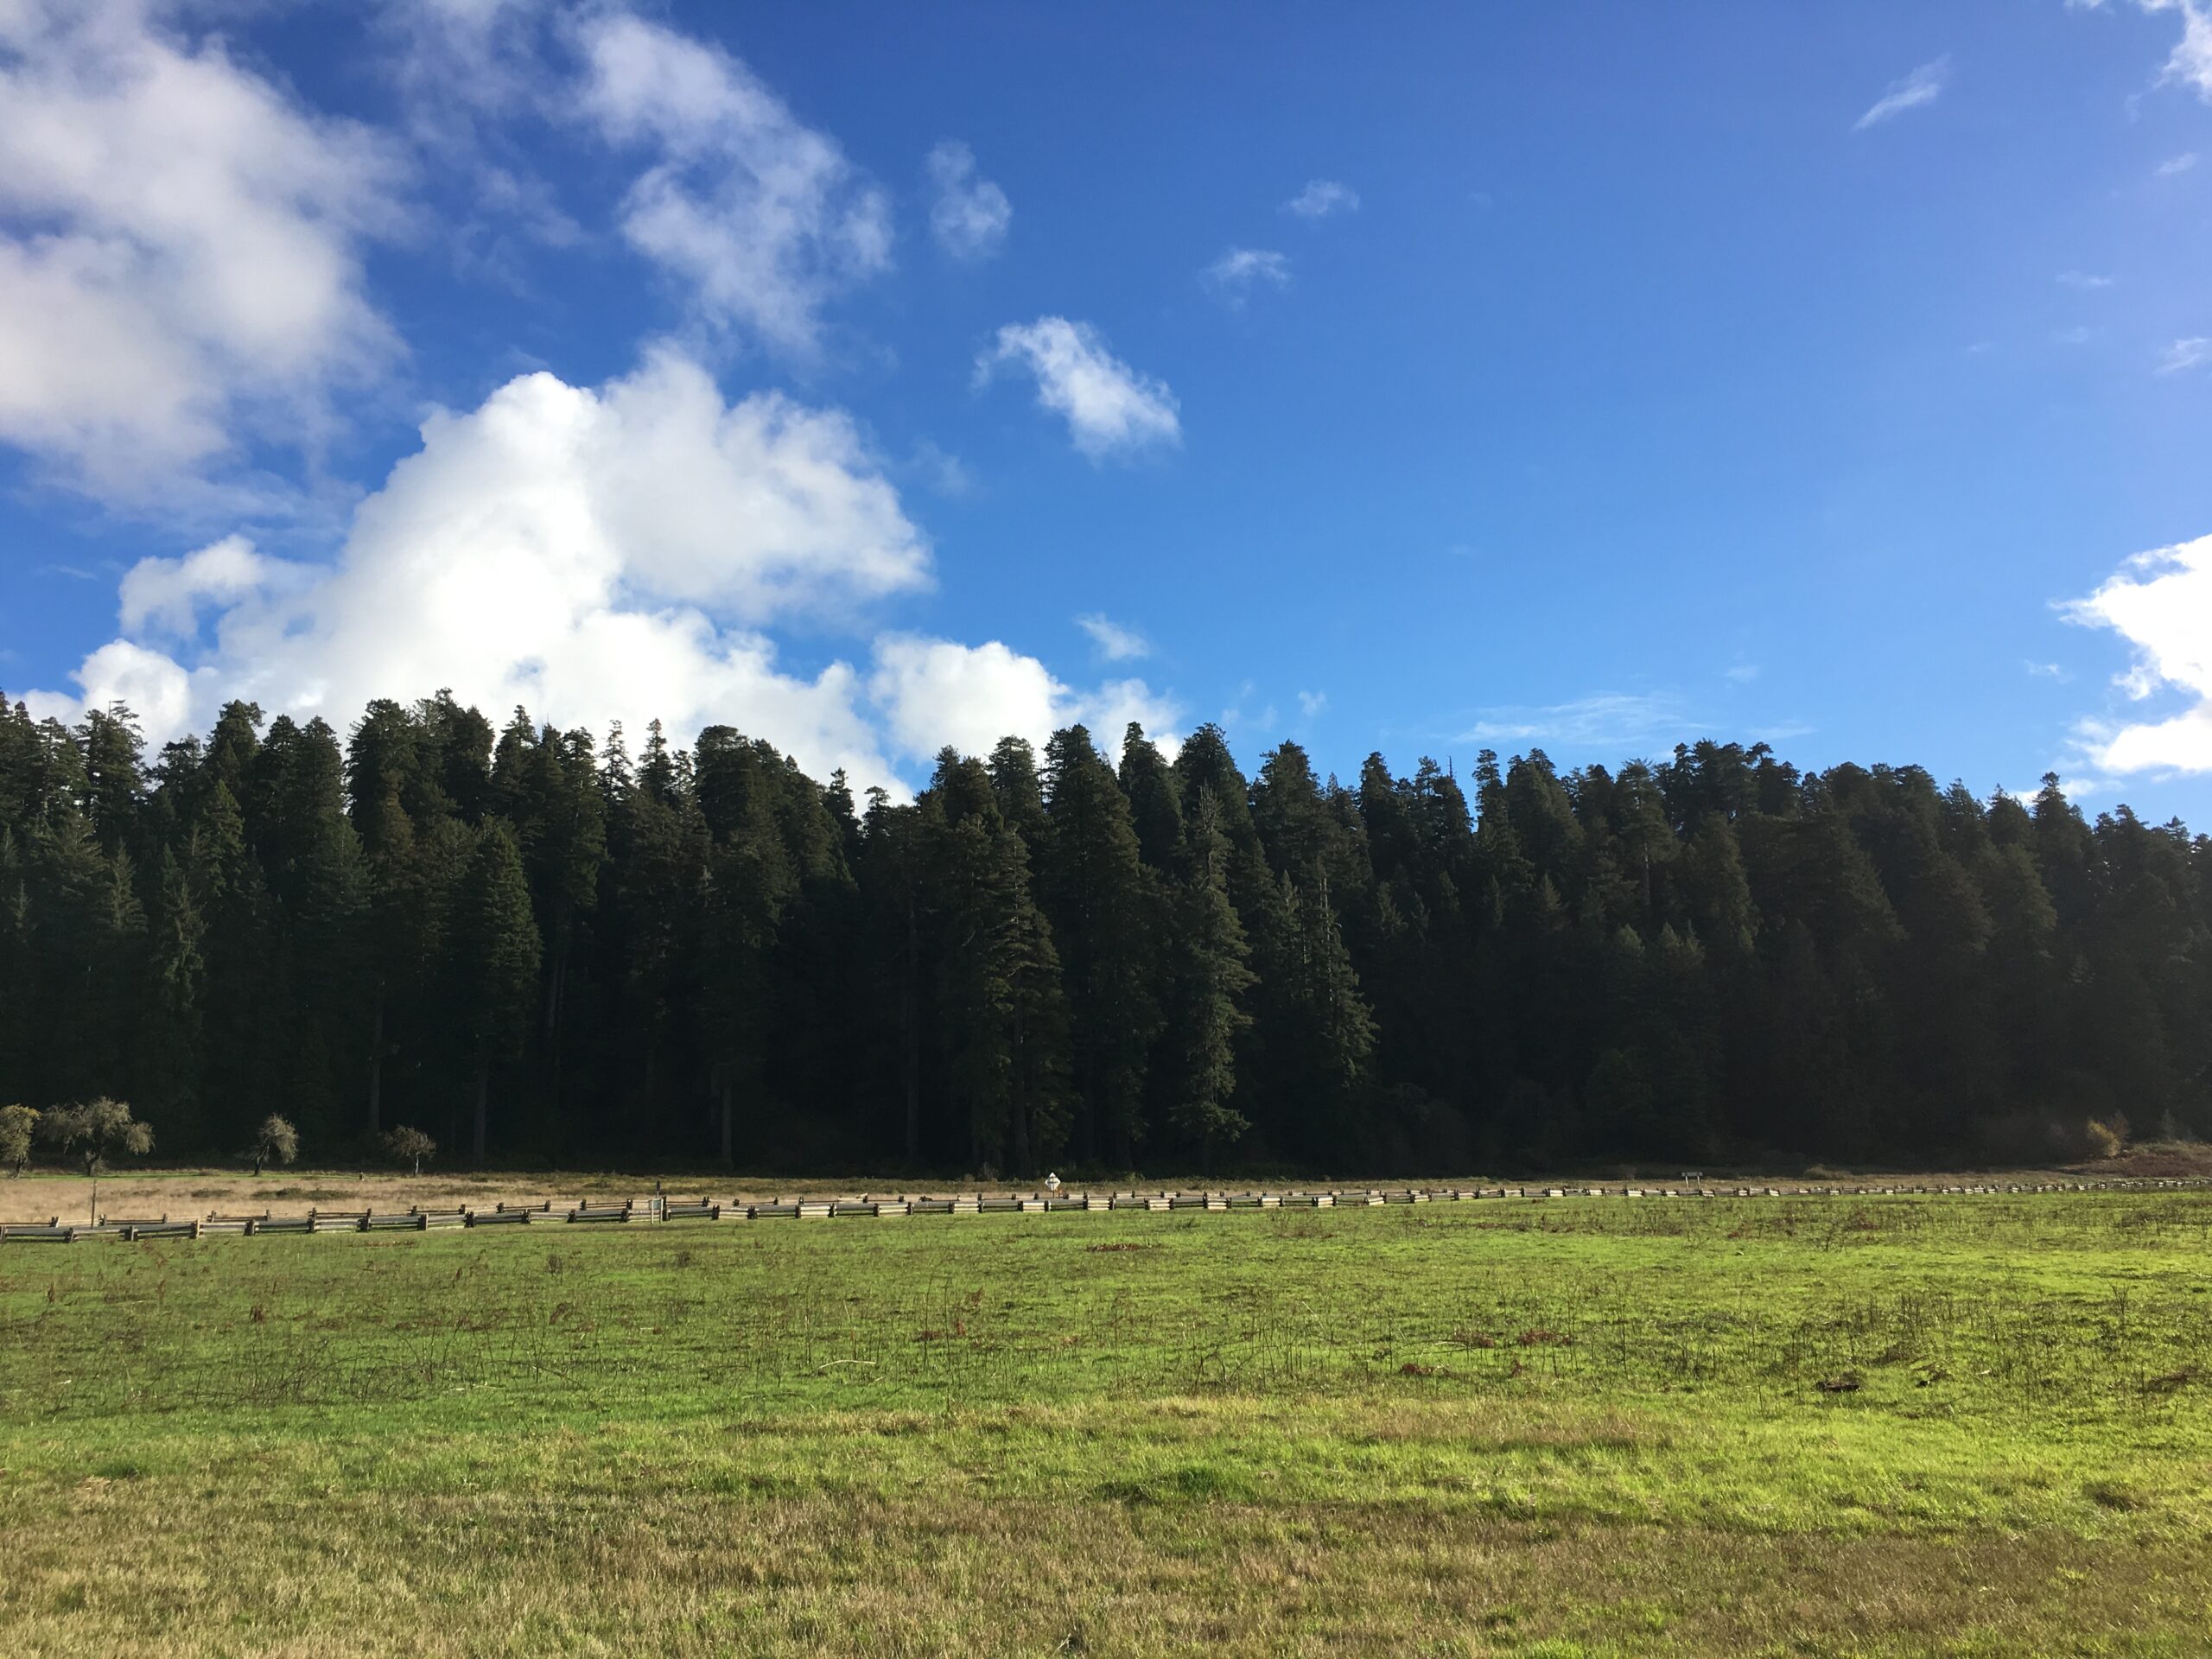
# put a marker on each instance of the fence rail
(660, 1210)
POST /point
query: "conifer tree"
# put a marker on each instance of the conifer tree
(496, 953)
(1213, 978)
(1105, 910)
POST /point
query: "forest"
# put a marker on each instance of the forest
(540, 948)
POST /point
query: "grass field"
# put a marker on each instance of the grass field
(1825, 1426)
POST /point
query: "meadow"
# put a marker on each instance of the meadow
(1849, 1425)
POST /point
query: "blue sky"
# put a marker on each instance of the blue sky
(1414, 377)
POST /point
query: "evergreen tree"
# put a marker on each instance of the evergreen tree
(495, 956)
(1105, 909)
(1213, 978)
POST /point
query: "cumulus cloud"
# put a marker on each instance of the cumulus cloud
(1923, 85)
(180, 249)
(1114, 642)
(1239, 270)
(933, 692)
(2161, 603)
(1321, 198)
(586, 553)
(761, 217)
(969, 216)
(167, 594)
(595, 554)
(1110, 409)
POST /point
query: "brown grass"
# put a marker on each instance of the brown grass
(472, 1573)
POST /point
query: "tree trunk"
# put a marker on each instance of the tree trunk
(376, 1070)
(910, 1040)
(483, 1092)
(1022, 1164)
(557, 980)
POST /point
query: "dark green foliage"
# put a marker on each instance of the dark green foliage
(1108, 913)
(544, 948)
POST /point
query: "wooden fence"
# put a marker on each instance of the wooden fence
(659, 1209)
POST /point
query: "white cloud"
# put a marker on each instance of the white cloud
(1312, 702)
(463, 68)
(2050, 671)
(1115, 643)
(1605, 720)
(180, 249)
(587, 554)
(2175, 165)
(158, 691)
(2082, 281)
(969, 216)
(597, 554)
(167, 593)
(1321, 198)
(1110, 408)
(2080, 334)
(1923, 85)
(933, 692)
(2185, 354)
(761, 216)
(1743, 673)
(1239, 270)
(2190, 64)
(2161, 603)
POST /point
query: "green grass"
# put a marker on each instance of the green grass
(1840, 1426)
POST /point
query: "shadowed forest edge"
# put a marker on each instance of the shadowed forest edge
(536, 947)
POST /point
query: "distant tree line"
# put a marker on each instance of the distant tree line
(538, 947)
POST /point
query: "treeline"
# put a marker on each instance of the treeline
(539, 947)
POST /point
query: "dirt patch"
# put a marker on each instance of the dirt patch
(2157, 1160)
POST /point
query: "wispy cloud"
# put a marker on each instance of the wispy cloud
(1239, 270)
(1109, 407)
(2190, 64)
(1322, 198)
(939, 469)
(2078, 335)
(969, 216)
(2050, 671)
(1743, 673)
(1115, 644)
(1312, 702)
(2173, 167)
(2185, 354)
(1607, 719)
(760, 216)
(2083, 282)
(1923, 85)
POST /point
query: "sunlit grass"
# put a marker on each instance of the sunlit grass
(1826, 1426)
